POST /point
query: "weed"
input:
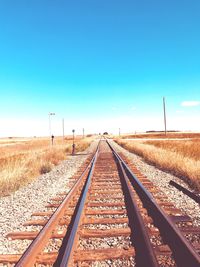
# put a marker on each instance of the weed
(45, 168)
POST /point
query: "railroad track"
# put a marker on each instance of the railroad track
(112, 216)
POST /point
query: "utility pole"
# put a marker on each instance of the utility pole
(119, 132)
(63, 129)
(164, 111)
(50, 114)
(83, 133)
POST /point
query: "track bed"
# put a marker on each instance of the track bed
(112, 216)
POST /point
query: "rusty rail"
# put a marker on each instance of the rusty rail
(187, 192)
(183, 251)
(143, 244)
(65, 254)
(29, 257)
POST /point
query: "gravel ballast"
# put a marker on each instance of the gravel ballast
(161, 179)
(18, 207)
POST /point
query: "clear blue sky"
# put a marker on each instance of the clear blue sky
(95, 59)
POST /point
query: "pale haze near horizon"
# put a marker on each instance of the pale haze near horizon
(127, 124)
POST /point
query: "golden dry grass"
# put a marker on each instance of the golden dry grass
(21, 162)
(182, 158)
(187, 148)
(161, 135)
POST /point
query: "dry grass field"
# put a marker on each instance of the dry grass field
(22, 160)
(161, 135)
(180, 157)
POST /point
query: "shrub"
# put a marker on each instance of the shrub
(45, 168)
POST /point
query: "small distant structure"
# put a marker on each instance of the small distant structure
(89, 135)
(105, 133)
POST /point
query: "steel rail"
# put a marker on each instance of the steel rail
(144, 244)
(29, 257)
(65, 256)
(145, 252)
(187, 192)
(183, 252)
